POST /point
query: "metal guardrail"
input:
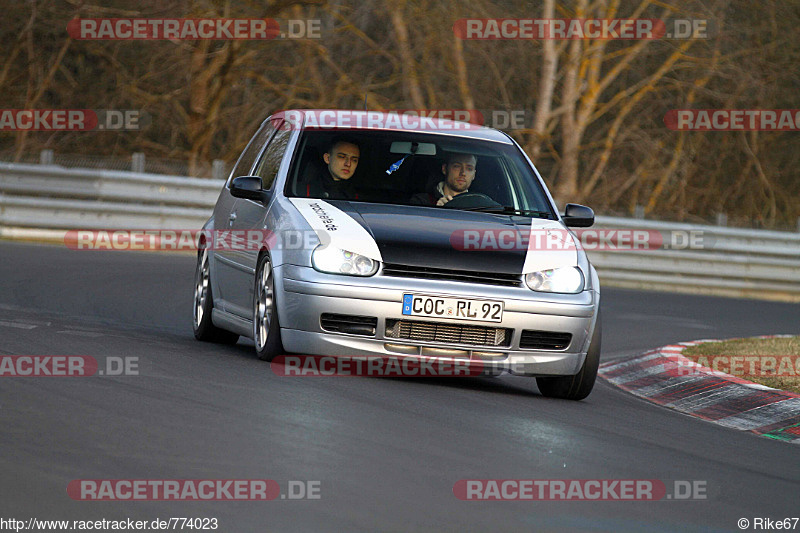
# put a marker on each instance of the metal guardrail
(730, 261)
(136, 162)
(734, 262)
(52, 197)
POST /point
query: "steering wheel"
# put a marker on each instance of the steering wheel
(470, 199)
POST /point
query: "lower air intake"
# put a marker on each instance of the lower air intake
(544, 340)
(416, 330)
(352, 324)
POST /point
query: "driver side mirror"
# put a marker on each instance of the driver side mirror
(249, 187)
(578, 216)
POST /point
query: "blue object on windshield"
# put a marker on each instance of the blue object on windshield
(395, 166)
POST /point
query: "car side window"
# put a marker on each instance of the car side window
(248, 157)
(270, 162)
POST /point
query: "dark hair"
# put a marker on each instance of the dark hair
(340, 140)
(448, 157)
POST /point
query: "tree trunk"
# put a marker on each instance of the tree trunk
(547, 83)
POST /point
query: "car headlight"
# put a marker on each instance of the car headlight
(328, 258)
(565, 280)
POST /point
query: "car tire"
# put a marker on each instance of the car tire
(579, 386)
(204, 329)
(266, 328)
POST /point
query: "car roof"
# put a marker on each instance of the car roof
(403, 120)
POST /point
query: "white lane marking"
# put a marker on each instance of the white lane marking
(18, 325)
(81, 333)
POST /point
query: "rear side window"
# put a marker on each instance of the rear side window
(248, 157)
(267, 168)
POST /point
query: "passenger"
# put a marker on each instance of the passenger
(459, 172)
(334, 183)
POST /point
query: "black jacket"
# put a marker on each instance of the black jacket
(322, 185)
(429, 197)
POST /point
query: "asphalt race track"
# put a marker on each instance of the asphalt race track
(386, 452)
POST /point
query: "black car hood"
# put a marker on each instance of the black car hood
(433, 237)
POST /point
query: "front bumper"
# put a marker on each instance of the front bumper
(303, 294)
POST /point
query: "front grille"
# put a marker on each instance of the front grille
(544, 340)
(448, 333)
(468, 276)
(356, 325)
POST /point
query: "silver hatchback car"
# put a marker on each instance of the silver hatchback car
(363, 233)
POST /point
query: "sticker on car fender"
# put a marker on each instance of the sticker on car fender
(334, 226)
(452, 308)
(557, 257)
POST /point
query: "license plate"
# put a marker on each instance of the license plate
(454, 308)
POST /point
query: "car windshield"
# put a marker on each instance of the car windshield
(406, 168)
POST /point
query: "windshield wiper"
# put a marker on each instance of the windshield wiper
(511, 210)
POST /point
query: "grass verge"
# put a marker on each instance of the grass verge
(772, 362)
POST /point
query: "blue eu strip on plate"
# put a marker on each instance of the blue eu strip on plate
(407, 298)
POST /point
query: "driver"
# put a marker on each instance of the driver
(459, 172)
